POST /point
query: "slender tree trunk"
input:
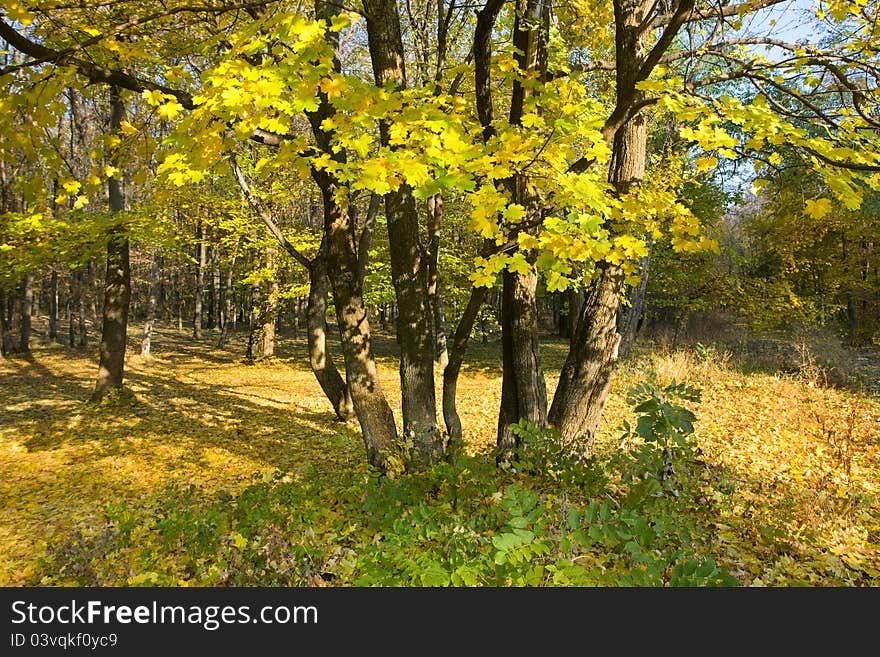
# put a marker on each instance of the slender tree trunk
(26, 305)
(319, 356)
(269, 310)
(71, 310)
(460, 339)
(81, 302)
(5, 336)
(217, 315)
(435, 300)
(198, 320)
(632, 316)
(151, 307)
(228, 304)
(117, 282)
(53, 305)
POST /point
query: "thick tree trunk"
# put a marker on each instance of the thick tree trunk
(26, 306)
(586, 374)
(592, 358)
(460, 339)
(146, 342)
(523, 391)
(201, 256)
(373, 412)
(320, 360)
(117, 282)
(409, 270)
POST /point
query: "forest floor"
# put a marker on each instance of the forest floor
(795, 483)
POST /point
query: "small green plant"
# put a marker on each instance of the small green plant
(665, 428)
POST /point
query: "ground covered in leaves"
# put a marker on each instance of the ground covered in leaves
(214, 470)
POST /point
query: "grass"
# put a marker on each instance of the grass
(788, 477)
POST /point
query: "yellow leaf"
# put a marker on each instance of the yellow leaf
(706, 163)
(817, 208)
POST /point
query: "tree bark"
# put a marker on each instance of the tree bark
(593, 353)
(320, 360)
(415, 325)
(373, 412)
(523, 391)
(117, 282)
(460, 338)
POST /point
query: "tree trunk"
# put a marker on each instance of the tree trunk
(632, 317)
(81, 302)
(53, 305)
(151, 307)
(319, 357)
(409, 271)
(269, 310)
(592, 358)
(117, 282)
(5, 334)
(523, 391)
(435, 300)
(373, 412)
(26, 305)
(200, 280)
(228, 305)
(460, 339)
(217, 315)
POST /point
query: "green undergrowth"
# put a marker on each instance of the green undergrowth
(551, 517)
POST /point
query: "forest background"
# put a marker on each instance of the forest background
(438, 293)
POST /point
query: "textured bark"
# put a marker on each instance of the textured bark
(453, 369)
(435, 299)
(146, 341)
(583, 381)
(373, 412)
(523, 391)
(409, 267)
(320, 360)
(592, 358)
(117, 283)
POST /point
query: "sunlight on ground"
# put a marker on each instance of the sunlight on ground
(802, 462)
